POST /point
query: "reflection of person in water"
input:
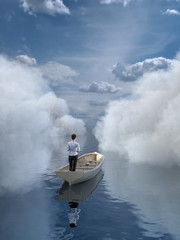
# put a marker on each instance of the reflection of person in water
(73, 214)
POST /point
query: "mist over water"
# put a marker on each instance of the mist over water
(145, 126)
(32, 122)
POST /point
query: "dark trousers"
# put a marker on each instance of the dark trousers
(72, 162)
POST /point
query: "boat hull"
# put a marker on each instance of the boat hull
(79, 192)
(81, 174)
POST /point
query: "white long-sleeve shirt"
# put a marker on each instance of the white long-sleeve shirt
(73, 148)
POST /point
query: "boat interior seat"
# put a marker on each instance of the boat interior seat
(87, 163)
(90, 161)
(84, 168)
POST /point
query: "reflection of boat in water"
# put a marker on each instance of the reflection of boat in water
(73, 194)
(88, 165)
(79, 192)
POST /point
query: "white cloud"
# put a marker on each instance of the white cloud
(54, 72)
(100, 87)
(69, 124)
(57, 73)
(26, 59)
(124, 2)
(134, 71)
(146, 126)
(51, 7)
(171, 12)
(31, 120)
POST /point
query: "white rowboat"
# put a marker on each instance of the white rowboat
(88, 165)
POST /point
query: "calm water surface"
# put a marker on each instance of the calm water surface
(126, 202)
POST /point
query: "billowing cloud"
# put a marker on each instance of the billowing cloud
(124, 2)
(134, 71)
(26, 59)
(146, 126)
(100, 87)
(54, 72)
(57, 73)
(51, 7)
(32, 122)
(171, 12)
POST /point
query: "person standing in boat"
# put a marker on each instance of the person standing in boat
(73, 148)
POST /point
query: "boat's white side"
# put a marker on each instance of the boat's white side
(79, 192)
(88, 166)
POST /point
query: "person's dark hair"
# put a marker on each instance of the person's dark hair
(73, 136)
(72, 225)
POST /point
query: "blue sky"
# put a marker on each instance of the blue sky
(90, 37)
(91, 30)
